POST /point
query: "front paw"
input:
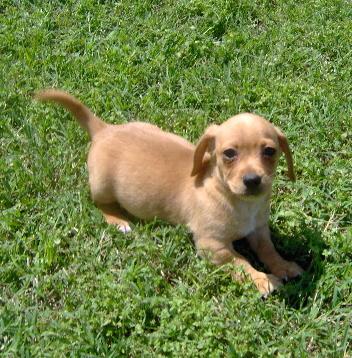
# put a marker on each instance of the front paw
(266, 283)
(287, 269)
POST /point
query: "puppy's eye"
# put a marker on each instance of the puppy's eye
(269, 152)
(230, 154)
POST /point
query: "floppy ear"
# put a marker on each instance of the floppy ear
(288, 155)
(205, 143)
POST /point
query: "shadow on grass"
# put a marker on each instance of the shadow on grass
(304, 246)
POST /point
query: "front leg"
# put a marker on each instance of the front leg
(220, 253)
(262, 245)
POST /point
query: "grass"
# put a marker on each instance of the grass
(71, 285)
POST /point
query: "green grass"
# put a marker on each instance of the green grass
(71, 285)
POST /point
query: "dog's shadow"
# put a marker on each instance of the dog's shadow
(304, 246)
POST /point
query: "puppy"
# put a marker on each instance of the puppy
(219, 188)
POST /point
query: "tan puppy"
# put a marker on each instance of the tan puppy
(220, 189)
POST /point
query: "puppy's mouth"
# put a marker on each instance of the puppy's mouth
(253, 192)
(248, 194)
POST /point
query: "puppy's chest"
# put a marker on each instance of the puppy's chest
(242, 219)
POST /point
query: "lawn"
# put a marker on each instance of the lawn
(70, 284)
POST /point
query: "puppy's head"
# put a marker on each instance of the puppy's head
(244, 151)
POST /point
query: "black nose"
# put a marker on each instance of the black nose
(252, 181)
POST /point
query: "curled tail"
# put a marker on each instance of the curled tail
(87, 120)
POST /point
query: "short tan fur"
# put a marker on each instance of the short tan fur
(219, 188)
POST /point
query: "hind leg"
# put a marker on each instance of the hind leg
(114, 216)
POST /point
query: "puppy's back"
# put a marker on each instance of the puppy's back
(144, 168)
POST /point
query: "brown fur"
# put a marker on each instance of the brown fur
(138, 168)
